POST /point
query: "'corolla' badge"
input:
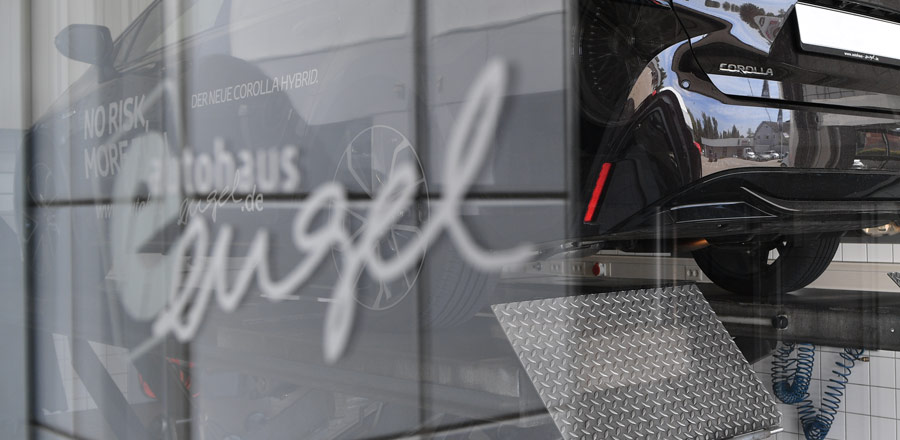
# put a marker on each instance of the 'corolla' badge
(746, 70)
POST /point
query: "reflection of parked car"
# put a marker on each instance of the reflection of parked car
(784, 160)
(762, 157)
(732, 76)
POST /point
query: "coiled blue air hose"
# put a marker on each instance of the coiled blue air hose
(791, 376)
(790, 383)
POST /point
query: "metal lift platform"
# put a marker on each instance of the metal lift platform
(488, 382)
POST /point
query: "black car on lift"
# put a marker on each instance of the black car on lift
(657, 78)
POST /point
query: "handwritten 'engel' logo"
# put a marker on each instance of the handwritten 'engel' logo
(190, 294)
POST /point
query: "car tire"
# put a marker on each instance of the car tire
(460, 290)
(745, 269)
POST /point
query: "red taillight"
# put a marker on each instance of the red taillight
(598, 190)
(146, 388)
(699, 148)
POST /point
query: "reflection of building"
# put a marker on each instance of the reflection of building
(769, 26)
(766, 138)
(726, 147)
(650, 80)
(767, 135)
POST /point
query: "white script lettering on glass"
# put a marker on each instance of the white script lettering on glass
(190, 294)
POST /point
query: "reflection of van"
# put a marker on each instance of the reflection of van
(749, 154)
(283, 99)
(280, 99)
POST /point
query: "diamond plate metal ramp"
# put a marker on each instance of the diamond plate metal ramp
(895, 277)
(637, 364)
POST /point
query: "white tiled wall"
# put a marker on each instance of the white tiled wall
(869, 408)
(865, 253)
(7, 186)
(868, 253)
(854, 252)
(114, 359)
(846, 252)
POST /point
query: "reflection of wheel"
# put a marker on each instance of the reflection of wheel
(606, 33)
(604, 72)
(745, 268)
(370, 160)
(455, 290)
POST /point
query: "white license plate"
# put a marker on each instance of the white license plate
(849, 35)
